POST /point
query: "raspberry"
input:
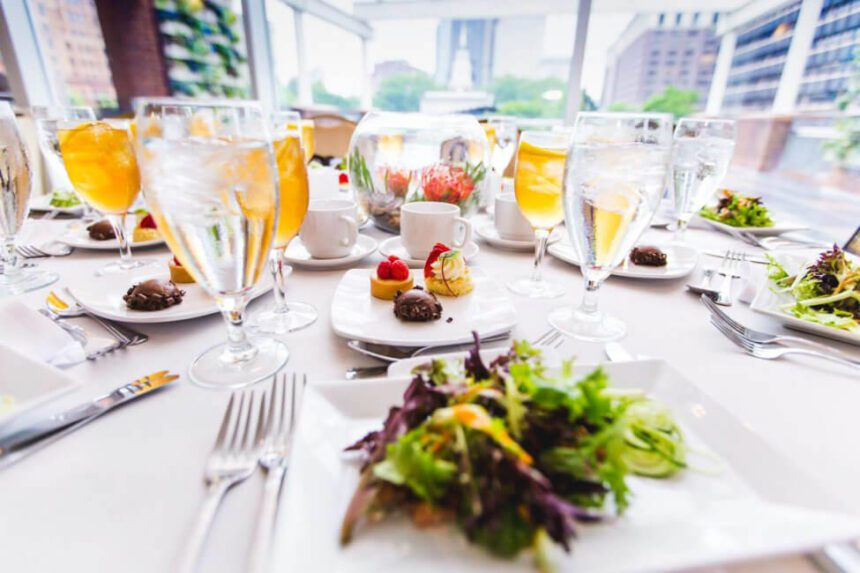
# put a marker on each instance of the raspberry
(343, 179)
(147, 222)
(399, 271)
(393, 258)
(383, 270)
(176, 261)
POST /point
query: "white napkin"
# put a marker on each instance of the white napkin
(37, 336)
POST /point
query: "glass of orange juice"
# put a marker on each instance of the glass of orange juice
(101, 164)
(293, 205)
(538, 180)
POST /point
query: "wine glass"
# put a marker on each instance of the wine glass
(538, 176)
(503, 141)
(614, 179)
(15, 187)
(100, 161)
(293, 183)
(211, 183)
(701, 155)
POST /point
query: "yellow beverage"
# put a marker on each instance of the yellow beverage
(611, 213)
(538, 184)
(100, 161)
(490, 131)
(306, 127)
(293, 177)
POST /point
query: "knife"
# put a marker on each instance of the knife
(747, 257)
(22, 443)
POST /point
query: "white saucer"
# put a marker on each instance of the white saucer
(488, 232)
(680, 261)
(394, 246)
(299, 256)
(76, 235)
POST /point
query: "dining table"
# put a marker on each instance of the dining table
(121, 493)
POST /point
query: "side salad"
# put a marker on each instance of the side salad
(64, 199)
(510, 454)
(738, 211)
(826, 292)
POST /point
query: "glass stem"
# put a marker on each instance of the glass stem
(9, 256)
(276, 259)
(119, 229)
(541, 238)
(590, 297)
(680, 230)
(239, 349)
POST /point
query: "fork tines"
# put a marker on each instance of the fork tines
(31, 252)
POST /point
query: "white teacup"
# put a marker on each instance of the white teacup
(509, 220)
(330, 229)
(425, 223)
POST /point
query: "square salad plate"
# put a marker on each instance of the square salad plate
(745, 502)
(27, 383)
(779, 227)
(355, 314)
(774, 304)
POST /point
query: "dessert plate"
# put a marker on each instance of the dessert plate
(758, 504)
(102, 296)
(28, 383)
(488, 232)
(680, 261)
(299, 256)
(77, 236)
(42, 204)
(355, 314)
(394, 246)
(778, 228)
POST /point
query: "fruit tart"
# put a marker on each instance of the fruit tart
(146, 230)
(390, 277)
(178, 273)
(446, 273)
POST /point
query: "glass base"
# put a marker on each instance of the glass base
(596, 327)
(118, 267)
(297, 316)
(211, 370)
(536, 289)
(26, 279)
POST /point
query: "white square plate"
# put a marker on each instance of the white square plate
(779, 227)
(680, 261)
(759, 504)
(356, 314)
(770, 303)
(27, 383)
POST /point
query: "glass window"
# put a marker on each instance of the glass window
(334, 64)
(282, 35)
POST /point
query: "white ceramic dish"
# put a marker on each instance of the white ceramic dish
(680, 261)
(357, 315)
(76, 235)
(299, 256)
(27, 383)
(42, 204)
(778, 228)
(759, 505)
(489, 234)
(103, 297)
(394, 246)
(770, 303)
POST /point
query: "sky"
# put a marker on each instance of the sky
(335, 56)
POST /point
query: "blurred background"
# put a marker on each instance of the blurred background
(788, 71)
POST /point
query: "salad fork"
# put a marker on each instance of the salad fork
(764, 337)
(772, 351)
(729, 269)
(284, 402)
(232, 460)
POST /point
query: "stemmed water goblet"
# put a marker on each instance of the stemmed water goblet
(615, 176)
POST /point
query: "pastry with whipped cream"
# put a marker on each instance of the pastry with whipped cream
(446, 273)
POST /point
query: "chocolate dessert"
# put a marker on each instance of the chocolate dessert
(417, 305)
(648, 257)
(154, 294)
(101, 231)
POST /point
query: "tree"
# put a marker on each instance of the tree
(402, 92)
(622, 106)
(677, 102)
(322, 96)
(846, 147)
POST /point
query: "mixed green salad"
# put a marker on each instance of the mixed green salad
(738, 211)
(64, 199)
(512, 455)
(826, 292)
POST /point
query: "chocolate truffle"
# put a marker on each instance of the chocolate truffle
(417, 305)
(648, 257)
(154, 294)
(101, 231)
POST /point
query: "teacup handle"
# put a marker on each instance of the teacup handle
(467, 232)
(351, 230)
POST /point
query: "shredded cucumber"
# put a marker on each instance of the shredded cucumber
(655, 445)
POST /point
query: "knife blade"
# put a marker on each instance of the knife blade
(748, 258)
(41, 433)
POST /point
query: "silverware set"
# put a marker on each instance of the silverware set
(34, 252)
(771, 346)
(729, 270)
(256, 430)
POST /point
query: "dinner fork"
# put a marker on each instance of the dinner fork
(771, 351)
(729, 269)
(57, 305)
(284, 403)
(31, 252)
(232, 460)
(764, 337)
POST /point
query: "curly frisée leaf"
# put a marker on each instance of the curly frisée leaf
(408, 463)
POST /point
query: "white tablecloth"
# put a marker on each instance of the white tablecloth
(119, 495)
